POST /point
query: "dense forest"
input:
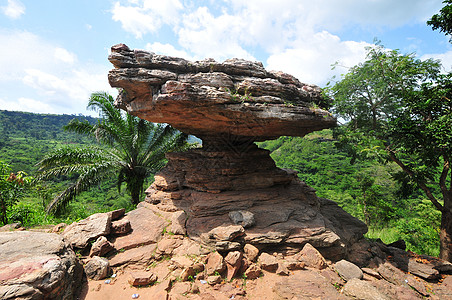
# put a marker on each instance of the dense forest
(366, 189)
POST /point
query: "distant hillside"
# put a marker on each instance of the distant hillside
(26, 137)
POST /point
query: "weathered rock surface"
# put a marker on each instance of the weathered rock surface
(147, 228)
(97, 268)
(79, 234)
(348, 270)
(207, 98)
(101, 247)
(35, 265)
(230, 183)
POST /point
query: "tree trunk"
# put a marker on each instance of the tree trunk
(445, 235)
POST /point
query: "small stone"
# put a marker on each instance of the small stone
(215, 263)
(194, 289)
(268, 262)
(233, 263)
(214, 279)
(251, 252)
(348, 270)
(312, 257)
(101, 247)
(121, 227)
(253, 272)
(227, 246)
(371, 272)
(292, 264)
(141, 278)
(282, 270)
(135, 296)
(242, 217)
(178, 219)
(187, 274)
(226, 233)
(97, 268)
(117, 214)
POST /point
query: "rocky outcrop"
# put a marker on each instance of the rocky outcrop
(35, 265)
(230, 191)
(208, 99)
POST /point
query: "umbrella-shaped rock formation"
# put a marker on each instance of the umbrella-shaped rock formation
(231, 191)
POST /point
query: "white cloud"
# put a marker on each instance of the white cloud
(47, 73)
(27, 104)
(14, 9)
(311, 62)
(167, 49)
(140, 17)
(446, 59)
(64, 55)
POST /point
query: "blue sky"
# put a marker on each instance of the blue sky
(53, 53)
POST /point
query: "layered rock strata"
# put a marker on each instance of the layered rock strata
(231, 191)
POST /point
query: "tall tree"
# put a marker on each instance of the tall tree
(443, 20)
(128, 147)
(400, 108)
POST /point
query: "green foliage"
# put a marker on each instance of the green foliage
(128, 147)
(443, 20)
(12, 188)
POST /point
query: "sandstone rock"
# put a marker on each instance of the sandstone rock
(253, 272)
(181, 288)
(371, 272)
(293, 264)
(136, 256)
(10, 227)
(147, 229)
(282, 270)
(36, 265)
(359, 289)
(214, 279)
(230, 174)
(268, 262)
(215, 263)
(80, 233)
(348, 270)
(178, 223)
(187, 274)
(181, 261)
(312, 258)
(101, 247)
(97, 268)
(141, 278)
(242, 217)
(166, 246)
(120, 227)
(190, 90)
(226, 233)
(251, 252)
(306, 284)
(233, 263)
(58, 228)
(117, 214)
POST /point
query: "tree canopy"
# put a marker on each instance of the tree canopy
(398, 108)
(443, 20)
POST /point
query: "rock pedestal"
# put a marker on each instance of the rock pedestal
(231, 191)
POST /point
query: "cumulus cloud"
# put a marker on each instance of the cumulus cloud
(140, 17)
(47, 74)
(167, 49)
(14, 9)
(445, 58)
(27, 104)
(300, 37)
(312, 62)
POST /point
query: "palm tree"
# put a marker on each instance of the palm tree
(128, 147)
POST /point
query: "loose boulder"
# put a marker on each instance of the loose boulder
(37, 265)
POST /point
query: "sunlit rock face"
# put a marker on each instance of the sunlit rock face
(205, 98)
(231, 190)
